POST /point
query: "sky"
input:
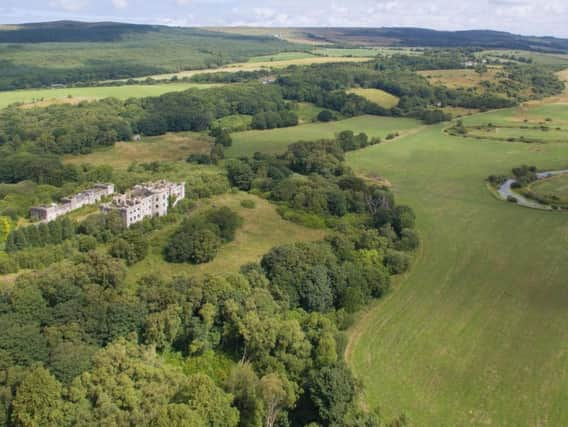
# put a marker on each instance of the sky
(529, 17)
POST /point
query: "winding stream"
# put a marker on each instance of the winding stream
(506, 191)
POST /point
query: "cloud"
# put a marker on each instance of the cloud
(69, 5)
(120, 4)
(183, 2)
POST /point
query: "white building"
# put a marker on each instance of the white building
(91, 196)
(146, 201)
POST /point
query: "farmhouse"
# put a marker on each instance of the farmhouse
(47, 213)
(145, 201)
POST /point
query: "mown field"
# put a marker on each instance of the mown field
(477, 333)
(378, 96)
(44, 97)
(556, 187)
(276, 140)
(262, 229)
(255, 66)
(169, 147)
(454, 79)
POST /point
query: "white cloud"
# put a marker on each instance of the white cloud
(69, 5)
(183, 2)
(120, 4)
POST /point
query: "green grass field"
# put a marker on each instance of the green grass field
(169, 147)
(282, 56)
(477, 333)
(555, 187)
(378, 96)
(366, 52)
(276, 140)
(43, 97)
(262, 229)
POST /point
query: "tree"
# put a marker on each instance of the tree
(240, 174)
(38, 400)
(243, 384)
(332, 390)
(277, 393)
(325, 116)
(224, 139)
(5, 228)
(193, 242)
(227, 220)
(201, 395)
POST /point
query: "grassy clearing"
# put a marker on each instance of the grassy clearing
(552, 188)
(370, 52)
(169, 147)
(283, 56)
(477, 332)
(378, 96)
(454, 79)
(276, 140)
(44, 97)
(255, 66)
(555, 59)
(262, 229)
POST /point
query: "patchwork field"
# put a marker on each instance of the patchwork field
(378, 96)
(170, 147)
(366, 52)
(262, 229)
(255, 66)
(45, 97)
(454, 79)
(477, 333)
(276, 140)
(283, 56)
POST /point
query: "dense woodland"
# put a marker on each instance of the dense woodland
(259, 347)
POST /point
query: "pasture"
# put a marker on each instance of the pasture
(554, 189)
(262, 229)
(45, 97)
(255, 66)
(476, 333)
(465, 78)
(169, 147)
(277, 140)
(378, 96)
(282, 56)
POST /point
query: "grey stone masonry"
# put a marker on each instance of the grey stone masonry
(146, 201)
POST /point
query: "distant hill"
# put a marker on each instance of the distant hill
(416, 37)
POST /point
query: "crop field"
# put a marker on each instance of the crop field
(370, 52)
(477, 332)
(282, 56)
(169, 147)
(556, 59)
(378, 96)
(255, 66)
(262, 229)
(454, 79)
(552, 188)
(276, 140)
(44, 97)
(528, 134)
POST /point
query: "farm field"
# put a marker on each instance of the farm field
(255, 66)
(276, 140)
(44, 97)
(370, 52)
(169, 147)
(282, 56)
(262, 229)
(556, 187)
(532, 134)
(378, 96)
(556, 59)
(476, 333)
(454, 79)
